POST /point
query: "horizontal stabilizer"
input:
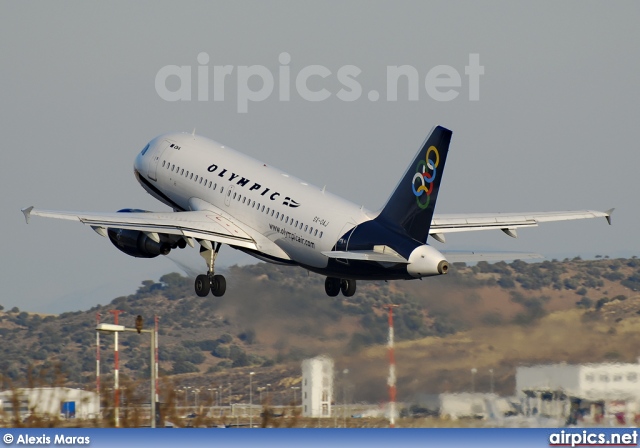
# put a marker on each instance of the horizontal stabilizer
(366, 255)
(472, 257)
(447, 223)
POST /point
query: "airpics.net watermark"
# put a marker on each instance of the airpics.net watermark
(255, 83)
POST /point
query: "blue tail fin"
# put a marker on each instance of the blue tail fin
(412, 203)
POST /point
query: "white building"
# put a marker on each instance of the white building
(474, 405)
(53, 402)
(551, 388)
(317, 387)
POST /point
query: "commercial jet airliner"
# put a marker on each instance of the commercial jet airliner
(220, 196)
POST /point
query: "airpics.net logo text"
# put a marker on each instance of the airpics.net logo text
(255, 83)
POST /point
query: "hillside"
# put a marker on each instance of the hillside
(488, 316)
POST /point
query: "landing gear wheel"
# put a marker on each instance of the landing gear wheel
(332, 286)
(202, 285)
(348, 287)
(218, 285)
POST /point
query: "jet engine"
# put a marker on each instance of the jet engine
(137, 244)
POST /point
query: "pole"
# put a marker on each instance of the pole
(392, 371)
(251, 399)
(98, 359)
(152, 370)
(116, 358)
(115, 380)
(344, 398)
(155, 345)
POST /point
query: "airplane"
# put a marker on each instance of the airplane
(220, 196)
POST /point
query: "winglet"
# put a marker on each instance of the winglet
(608, 215)
(27, 213)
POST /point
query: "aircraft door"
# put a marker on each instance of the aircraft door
(343, 242)
(227, 198)
(154, 159)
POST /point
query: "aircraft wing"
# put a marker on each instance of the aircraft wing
(507, 222)
(203, 225)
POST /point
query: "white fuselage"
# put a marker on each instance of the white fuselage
(182, 169)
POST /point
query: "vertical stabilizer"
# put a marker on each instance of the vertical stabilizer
(412, 203)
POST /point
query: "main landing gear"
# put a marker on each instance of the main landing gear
(217, 284)
(333, 286)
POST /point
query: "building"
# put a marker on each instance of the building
(317, 387)
(588, 389)
(53, 402)
(474, 405)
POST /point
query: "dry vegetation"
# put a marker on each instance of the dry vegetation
(487, 316)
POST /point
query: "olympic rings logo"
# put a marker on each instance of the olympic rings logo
(425, 175)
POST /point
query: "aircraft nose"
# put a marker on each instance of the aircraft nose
(138, 164)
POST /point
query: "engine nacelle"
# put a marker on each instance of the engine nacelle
(137, 244)
(426, 261)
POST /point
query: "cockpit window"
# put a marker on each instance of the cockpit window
(146, 148)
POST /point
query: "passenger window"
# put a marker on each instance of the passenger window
(221, 189)
(320, 234)
(173, 166)
(277, 215)
(316, 233)
(244, 200)
(296, 223)
(163, 164)
(253, 204)
(305, 228)
(234, 194)
(263, 209)
(196, 179)
(191, 176)
(300, 226)
(182, 171)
